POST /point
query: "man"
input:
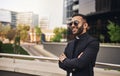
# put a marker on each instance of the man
(80, 54)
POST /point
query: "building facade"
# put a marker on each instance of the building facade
(5, 17)
(27, 18)
(13, 19)
(98, 13)
(44, 23)
(8, 17)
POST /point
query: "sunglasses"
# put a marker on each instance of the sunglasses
(73, 22)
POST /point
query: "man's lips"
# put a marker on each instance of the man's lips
(73, 29)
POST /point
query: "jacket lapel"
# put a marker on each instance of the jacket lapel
(71, 49)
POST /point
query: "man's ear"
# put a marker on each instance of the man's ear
(85, 25)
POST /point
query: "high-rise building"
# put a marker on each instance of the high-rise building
(78, 6)
(13, 19)
(27, 18)
(8, 17)
(98, 13)
(5, 17)
(44, 22)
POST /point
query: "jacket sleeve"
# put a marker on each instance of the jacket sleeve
(88, 56)
(61, 65)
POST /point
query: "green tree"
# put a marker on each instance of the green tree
(4, 30)
(57, 38)
(24, 35)
(16, 44)
(38, 31)
(23, 30)
(59, 34)
(114, 31)
(11, 34)
(0, 28)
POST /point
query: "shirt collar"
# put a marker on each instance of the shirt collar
(77, 37)
(81, 36)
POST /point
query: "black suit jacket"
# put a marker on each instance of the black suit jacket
(82, 66)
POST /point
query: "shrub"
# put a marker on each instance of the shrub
(114, 31)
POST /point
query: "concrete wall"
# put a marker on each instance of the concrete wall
(107, 54)
(55, 48)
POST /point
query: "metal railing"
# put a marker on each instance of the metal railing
(27, 57)
(52, 59)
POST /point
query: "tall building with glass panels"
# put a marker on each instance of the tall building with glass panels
(27, 18)
(13, 19)
(98, 13)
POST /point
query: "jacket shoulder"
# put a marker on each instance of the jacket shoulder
(91, 38)
(71, 41)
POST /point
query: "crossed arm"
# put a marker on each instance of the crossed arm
(63, 56)
(83, 59)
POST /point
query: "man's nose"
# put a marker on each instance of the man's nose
(72, 25)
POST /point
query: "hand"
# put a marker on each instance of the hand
(80, 54)
(62, 57)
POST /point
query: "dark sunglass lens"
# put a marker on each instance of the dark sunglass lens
(69, 24)
(76, 23)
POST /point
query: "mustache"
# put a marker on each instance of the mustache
(72, 27)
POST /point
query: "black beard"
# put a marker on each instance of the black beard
(80, 30)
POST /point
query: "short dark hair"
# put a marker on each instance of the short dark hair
(83, 16)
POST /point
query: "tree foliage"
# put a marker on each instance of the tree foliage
(59, 34)
(11, 34)
(16, 44)
(4, 29)
(38, 31)
(114, 31)
(23, 31)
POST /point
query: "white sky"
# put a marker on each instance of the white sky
(52, 9)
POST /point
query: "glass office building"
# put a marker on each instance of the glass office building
(13, 19)
(98, 13)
